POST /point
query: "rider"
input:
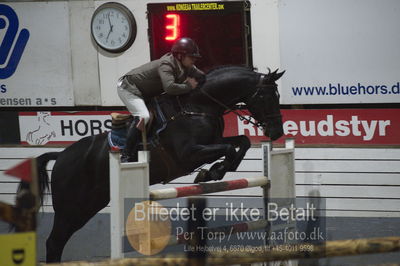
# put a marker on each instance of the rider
(174, 73)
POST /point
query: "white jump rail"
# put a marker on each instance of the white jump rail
(131, 180)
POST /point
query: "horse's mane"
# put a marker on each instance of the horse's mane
(213, 76)
(228, 67)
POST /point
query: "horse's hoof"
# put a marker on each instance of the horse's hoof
(217, 172)
(202, 176)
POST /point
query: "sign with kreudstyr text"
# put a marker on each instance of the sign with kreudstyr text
(311, 127)
(337, 126)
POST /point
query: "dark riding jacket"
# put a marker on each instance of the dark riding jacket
(164, 74)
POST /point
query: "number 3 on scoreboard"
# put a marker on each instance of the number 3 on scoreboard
(172, 27)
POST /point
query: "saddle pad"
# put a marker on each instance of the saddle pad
(117, 136)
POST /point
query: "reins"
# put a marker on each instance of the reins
(230, 110)
(227, 108)
(183, 112)
(241, 117)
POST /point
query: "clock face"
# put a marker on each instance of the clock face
(113, 27)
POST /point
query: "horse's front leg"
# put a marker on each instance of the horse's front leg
(243, 143)
(202, 154)
(231, 163)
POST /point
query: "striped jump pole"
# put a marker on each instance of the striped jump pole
(206, 188)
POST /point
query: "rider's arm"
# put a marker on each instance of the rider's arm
(197, 74)
(166, 73)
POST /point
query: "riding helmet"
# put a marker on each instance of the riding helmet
(185, 46)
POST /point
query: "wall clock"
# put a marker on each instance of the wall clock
(113, 27)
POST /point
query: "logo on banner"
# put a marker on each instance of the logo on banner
(43, 131)
(9, 25)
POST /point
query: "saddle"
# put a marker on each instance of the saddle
(162, 110)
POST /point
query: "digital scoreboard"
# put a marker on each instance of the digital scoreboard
(221, 30)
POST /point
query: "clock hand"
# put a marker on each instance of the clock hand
(111, 27)
(109, 21)
(108, 34)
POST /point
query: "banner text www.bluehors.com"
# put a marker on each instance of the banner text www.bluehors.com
(335, 89)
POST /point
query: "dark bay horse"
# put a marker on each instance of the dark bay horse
(192, 138)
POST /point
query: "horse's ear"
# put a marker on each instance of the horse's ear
(279, 75)
(274, 76)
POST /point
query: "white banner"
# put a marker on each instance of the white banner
(343, 51)
(40, 128)
(35, 56)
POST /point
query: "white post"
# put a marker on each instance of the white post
(279, 167)
(127, 180)
(280, 170)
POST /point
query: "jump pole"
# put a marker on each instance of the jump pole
(327, 249)
(278, 169)
(206, 188)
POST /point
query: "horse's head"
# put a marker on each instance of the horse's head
(264, 105)
(227, 86)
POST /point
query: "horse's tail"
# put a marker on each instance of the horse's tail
(43, 177)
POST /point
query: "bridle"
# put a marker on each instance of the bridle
(270, 116)
(259, 86)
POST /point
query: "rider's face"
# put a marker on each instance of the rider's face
(188, 61)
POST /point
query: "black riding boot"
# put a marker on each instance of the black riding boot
(130, 153)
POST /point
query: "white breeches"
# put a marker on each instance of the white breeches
(134, 103)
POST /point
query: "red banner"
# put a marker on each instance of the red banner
(314, 127)
(329, 126)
